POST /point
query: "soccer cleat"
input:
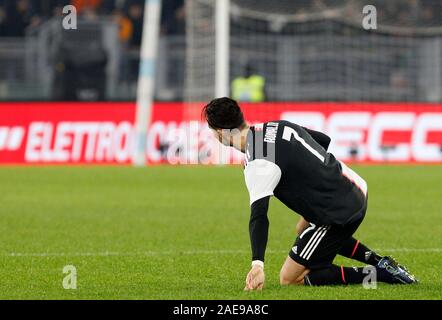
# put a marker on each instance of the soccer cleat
(393, 272)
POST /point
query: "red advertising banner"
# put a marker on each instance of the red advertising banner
(103, 133)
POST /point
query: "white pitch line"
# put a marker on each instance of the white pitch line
(178, 252)
(113, 253)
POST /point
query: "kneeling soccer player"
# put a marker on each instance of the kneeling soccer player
(292, 163)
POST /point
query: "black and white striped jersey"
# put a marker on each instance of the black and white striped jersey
(292, 163)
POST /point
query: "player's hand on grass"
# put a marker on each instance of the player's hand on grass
(255, 279)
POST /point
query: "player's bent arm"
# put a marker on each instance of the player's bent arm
(321, 138)
(262, 177)
(259, 228)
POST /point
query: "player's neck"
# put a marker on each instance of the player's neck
(241, 144)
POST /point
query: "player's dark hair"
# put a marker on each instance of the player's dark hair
(223, 113)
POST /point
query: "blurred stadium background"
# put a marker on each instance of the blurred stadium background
(308, 61)
(70, 97)
(306, 50)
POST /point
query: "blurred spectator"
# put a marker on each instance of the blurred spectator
(81, 70)
(57, 7)
(89, 13)
(90, 5)
(173, 17)
(46, 8)
(2, 21)
(179, 23)
(19, 15)
(125, 26)
(108, 6)
(135, 13)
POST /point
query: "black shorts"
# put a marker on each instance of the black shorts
(318, 245)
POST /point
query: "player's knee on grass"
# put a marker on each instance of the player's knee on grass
(292, 273)
(285, 280)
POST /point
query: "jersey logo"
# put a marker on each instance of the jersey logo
(295, 249)
(271, 131)
(367, 255)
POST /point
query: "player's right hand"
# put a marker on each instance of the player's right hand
(255, 279)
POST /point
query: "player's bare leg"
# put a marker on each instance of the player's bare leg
(301, 225)
(292, 273)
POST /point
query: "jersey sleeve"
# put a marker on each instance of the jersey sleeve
(262, 177)
(259, 228)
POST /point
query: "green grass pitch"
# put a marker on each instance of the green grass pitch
(182, 233)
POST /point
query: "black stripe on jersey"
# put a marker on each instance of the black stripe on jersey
(261, 142)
